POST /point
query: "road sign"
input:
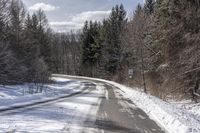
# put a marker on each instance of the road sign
(130, 71)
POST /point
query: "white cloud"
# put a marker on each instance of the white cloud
(90, 15)
(65, 26)
(77, 21)
(43, 6)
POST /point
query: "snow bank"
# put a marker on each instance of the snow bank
(172, 118)
(191, 107)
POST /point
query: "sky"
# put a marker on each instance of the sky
(66, 15)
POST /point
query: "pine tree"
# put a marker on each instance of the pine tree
(91, 46)
(149, 6)
(116, 23)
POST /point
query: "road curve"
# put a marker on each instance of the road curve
(119, 115)
(99, 110)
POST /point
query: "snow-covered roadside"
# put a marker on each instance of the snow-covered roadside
(169, 116)
(173, 118)
(13, 96)
(190, 106)
(66, 116)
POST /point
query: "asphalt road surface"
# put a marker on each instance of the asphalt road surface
(114, 117)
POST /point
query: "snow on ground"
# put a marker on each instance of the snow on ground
(17, 95)
(190, 107)
(65, 116)
(16, 91)
(68, 116)
(173, 118)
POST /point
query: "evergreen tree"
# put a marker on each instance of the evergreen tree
(116, 23)
(91, 46)
(149, 6)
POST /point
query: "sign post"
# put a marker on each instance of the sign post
(130, 75)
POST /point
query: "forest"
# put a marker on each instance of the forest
(159, 42)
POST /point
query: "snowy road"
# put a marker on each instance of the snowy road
(117, 114)
(99, 109)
